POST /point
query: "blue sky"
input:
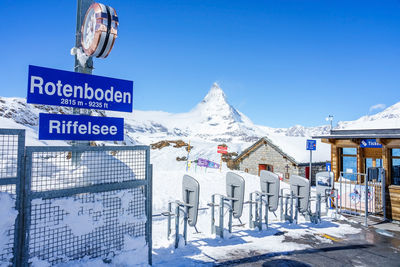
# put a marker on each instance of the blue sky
(280, 62)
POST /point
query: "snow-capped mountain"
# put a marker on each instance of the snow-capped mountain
(213, 119)
(388, 118)
(210, 122)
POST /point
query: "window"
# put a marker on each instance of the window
(396, 166)
(349, 163)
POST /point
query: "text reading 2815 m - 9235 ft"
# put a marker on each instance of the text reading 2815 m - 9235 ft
(65, 88)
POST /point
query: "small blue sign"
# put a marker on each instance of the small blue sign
(328, 167)
(72, 89)
(311, 145)
(79, 127)
(371, 143)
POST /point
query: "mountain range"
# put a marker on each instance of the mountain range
(212, 120)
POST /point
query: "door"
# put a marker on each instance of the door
(308, 172)
(265, 167)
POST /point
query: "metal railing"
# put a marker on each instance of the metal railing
(361, 197)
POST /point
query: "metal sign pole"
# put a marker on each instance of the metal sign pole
(310, 172)
(83, 5)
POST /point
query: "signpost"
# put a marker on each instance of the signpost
(96, 31)
(311, 145)
(222, 150)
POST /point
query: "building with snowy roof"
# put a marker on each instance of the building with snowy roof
(268, 155)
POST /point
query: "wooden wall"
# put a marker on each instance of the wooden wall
(393, 203)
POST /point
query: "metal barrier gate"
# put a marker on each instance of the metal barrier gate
(361, 197)
(12, 144)
(93, 209)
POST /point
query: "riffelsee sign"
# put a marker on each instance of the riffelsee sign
(79, 127)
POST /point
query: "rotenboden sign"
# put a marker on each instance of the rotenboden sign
(72, 89)
(80, 127)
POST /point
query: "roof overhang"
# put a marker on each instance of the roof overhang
(362, 134)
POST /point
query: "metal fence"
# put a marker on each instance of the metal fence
(360, 197)
(95, 208)
(12, 143)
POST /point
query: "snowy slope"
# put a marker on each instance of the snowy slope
(386, 119)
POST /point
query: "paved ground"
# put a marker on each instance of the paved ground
(372, 247)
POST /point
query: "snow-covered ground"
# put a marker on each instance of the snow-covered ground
(212, 122)
(204, 248)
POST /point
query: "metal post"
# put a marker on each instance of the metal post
(256, 209)
(176, 226)
(318, 209)
(251, 210)
(337, 202)
(230, 216)
(83, 5)
(212, 214)
(366, 200)
(340, 195)
(286, 206)
(221, 217)
(266, 212)
(259, 219)
(383, 186)
(291, 206)
(310, 173)
(281, 202)
(296, 214)
(185, 222)
(169, 219)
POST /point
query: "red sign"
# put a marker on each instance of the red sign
(222, 151)
(222, 148)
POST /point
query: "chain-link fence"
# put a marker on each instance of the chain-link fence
(12, 143)
(98, 206)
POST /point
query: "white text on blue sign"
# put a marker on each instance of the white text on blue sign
(311, 145)
(370, 143)
(72, 89)
(78, 127)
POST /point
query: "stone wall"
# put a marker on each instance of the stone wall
(265, 154)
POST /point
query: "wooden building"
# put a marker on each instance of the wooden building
(359, 149)
(265, 155)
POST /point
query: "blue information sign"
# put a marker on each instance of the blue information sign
(328, 167)
(79, 127)
(72, 89)
(372, 143)
(311, 145)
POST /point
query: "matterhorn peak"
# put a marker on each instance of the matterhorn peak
(215, 94)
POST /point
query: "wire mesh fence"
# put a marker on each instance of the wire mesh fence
(65, 203)
(91, 208)
(11, 153)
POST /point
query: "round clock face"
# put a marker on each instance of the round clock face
(89, 29)
(99, 30)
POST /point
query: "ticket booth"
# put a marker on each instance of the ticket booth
(357, 150)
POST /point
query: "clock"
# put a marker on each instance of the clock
(99, 30)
